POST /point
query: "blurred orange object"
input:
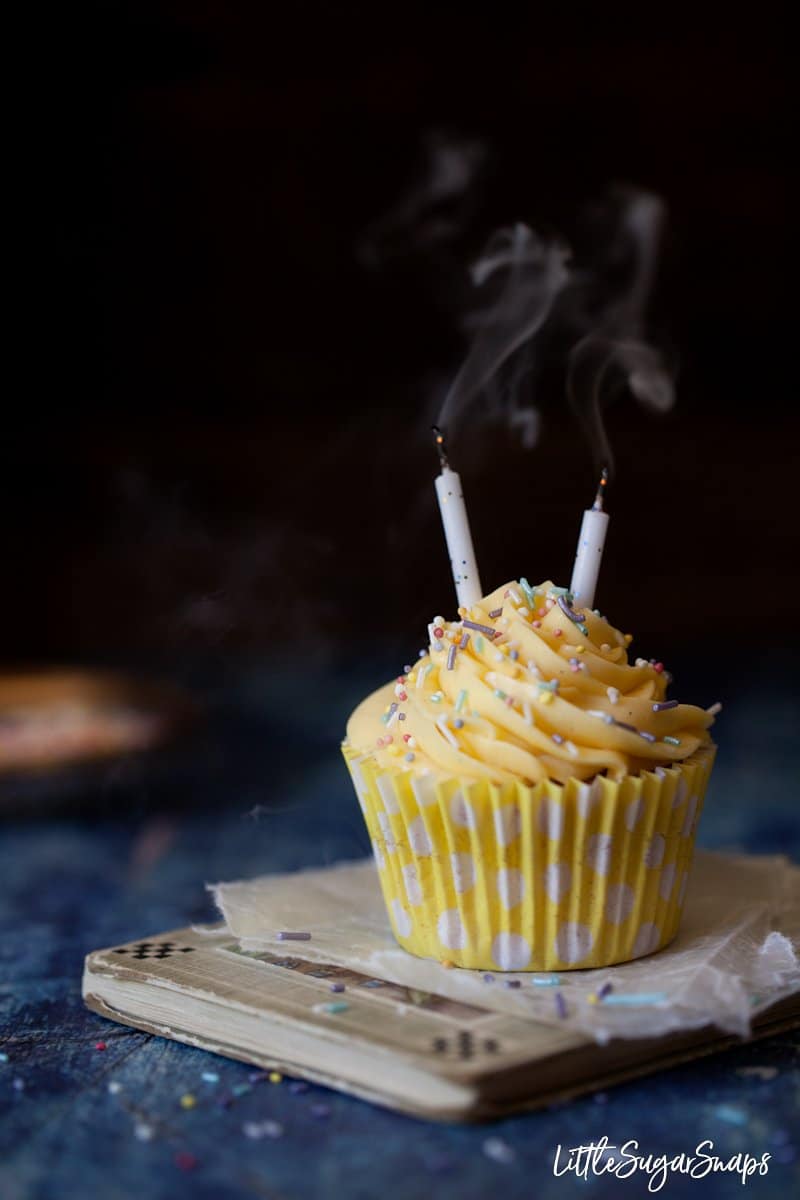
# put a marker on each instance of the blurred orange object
(52, 718)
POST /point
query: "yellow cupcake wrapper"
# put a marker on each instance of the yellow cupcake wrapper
(548, 877)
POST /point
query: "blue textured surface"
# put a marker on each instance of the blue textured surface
(136, 864)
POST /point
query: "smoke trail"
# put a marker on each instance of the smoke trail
(611, 355)
(523, 275)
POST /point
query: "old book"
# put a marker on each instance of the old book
(416, 1051)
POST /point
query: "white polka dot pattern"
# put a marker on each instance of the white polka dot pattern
(654, 851)
(507, 824)
(510, 887)
(463, 868)
(598, 852)
(511, 952)
(573, 942)
(418, 838)
(647, 940)
(557, 880)
(667, 882)
(451, 930)
(402, 921)
(461, 812)
(619, 903)
(388, 794)
(412, 884)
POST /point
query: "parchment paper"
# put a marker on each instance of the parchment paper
(736, 952)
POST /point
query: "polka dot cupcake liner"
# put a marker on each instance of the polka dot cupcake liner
(549, 877)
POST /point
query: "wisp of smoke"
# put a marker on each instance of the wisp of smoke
(522, 274)
(534, 295)
(436, 208)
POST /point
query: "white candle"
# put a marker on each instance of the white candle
(589, 554)
(456, 530)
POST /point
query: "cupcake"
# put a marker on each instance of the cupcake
(530, 794)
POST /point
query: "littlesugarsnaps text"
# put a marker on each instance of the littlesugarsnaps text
(623, 1162)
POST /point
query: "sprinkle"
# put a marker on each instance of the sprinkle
(604, 646)
(561, 1005)
(499, 1151)
(715, 708)
(625, 725)
(451, 657)
(462, 645)
(298, 1086)
(438, 632)
(487, 629)
(511, 983)
(530, 596)
(260, 1129)
(332, 1008)
(545, 980)
(613, 695)
(731, 1114)
(3, 1056)
(188, 1100)
(320, 1111)
(423, 674)
(374, 983)
(441, 724)
(479, 645)
(407, 669)
(663, 705)
(604, 990)
(659, 667)
(185, 1161)
(447, 963)
(401, 716)
(635, 998)
(18, 1085)
(100, 1046)
(143, 1132)
(571, 749)
(526, 712)
(537, 624)
(461, 699)
(557, 738)
(513, 655)
(210, 1077)
(287, 935)
(601, 716)
(275, 1077)
(421, 653)
(545, 697)
(648, 737)
(335, 987)
(672, 741)
(515, 596)
(458, 723)
(500, 695)
(558, 633)
(436, 697)
(576, 618)
(496, 612)
(488, 977)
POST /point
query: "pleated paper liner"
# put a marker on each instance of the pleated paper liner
(541, 878)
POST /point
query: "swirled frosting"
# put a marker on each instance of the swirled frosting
(524, 687)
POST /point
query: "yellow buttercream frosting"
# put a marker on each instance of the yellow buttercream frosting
(540, 691)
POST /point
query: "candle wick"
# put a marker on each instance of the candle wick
(438, 437)
(601, 487)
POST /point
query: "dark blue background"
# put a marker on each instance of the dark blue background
(73, 883)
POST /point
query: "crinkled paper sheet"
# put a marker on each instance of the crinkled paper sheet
(735, 954)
